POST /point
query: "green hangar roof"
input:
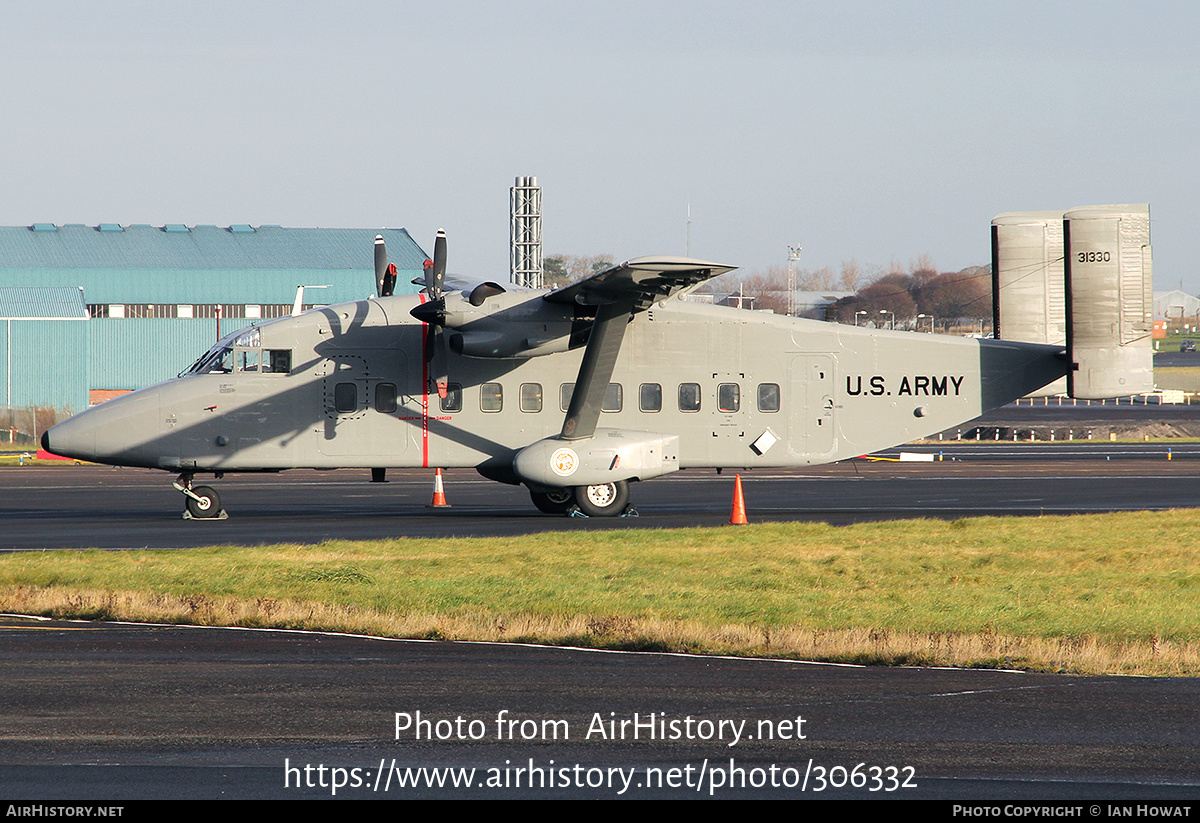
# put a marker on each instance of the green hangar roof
(55, 303)
(201, 264)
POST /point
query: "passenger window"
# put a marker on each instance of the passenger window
(613, 398)
(452, 402)
(729, 397)
(689, 397)
(385, 398)
(564, 395)
(491, 397)
(650, 397)
(248, 360)
(278, 361)
(768, 397)
(345, 397)
(531, 397)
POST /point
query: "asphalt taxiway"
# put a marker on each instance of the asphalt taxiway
(93, 506)
(104, 711)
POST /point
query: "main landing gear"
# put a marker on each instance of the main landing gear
(203, 502)
(602, 500)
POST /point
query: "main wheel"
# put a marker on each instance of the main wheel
(603, 500)
(555, 501)
(209, 504)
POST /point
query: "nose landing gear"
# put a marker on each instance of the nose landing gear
(203, 502)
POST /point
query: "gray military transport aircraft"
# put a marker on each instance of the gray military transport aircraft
(577, 392)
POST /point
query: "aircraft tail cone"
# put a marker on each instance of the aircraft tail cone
(439, 493)
(738, 516)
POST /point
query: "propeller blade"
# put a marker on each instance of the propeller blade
(438, 273)
(381, 265)
(434, 314)
(430, 342)
(438, 367)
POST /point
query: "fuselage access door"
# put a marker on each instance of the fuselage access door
(812, 407)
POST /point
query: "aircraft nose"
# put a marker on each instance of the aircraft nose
(71, 438)
(118, 431)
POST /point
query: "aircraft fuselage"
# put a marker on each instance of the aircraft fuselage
(349, 386)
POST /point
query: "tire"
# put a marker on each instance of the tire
(555, 501)
(604, 500)
(208, 506)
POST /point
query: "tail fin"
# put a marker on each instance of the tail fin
(1028, 287)
(1080, 279)
(1110, 301)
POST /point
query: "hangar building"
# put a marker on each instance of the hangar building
(86, 311)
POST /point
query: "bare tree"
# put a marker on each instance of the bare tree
(561, 269)
(851, 275)
(816, 280)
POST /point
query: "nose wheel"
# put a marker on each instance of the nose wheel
(203, 502)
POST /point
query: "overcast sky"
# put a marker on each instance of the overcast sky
(873, 131)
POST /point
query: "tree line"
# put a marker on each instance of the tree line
(901, 291)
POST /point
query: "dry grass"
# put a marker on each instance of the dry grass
(1085, 655)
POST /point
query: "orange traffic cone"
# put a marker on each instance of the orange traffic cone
(439, 493)
(738, 516)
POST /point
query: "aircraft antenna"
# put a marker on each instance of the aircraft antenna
(688, 238)
(525, 233)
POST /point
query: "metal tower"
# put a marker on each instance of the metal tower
(793, 267)
(525, 233)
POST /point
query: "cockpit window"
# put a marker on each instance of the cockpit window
(277, 361)
(247, 360)
(248, 339)
(217, 360)
(223, 359)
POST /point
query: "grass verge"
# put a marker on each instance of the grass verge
(1115, 593)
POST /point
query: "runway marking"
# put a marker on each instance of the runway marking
(969, 692)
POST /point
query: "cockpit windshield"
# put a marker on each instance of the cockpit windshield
(219, 359)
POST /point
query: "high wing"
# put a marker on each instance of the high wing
(643, 280)
(619, 293)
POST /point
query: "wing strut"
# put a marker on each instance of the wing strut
(599, 358)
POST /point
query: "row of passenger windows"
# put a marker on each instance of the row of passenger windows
(689, 397)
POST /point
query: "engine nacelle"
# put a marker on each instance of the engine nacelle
(499, 339)
(513, 324)
(608, 456)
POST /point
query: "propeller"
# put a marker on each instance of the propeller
(433, 313)
(385, 272)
